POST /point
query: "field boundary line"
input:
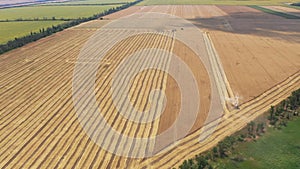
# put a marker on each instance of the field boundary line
(219, 75)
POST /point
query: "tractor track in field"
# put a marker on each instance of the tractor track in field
(219, 75)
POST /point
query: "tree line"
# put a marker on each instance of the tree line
(280, 114)
(34, 36)
(37, 19)
(278, 117)
(90, 4)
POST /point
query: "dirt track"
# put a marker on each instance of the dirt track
(38, 124)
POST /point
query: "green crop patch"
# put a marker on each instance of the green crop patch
(11, 30)
(13, 23)
(67, 12)
(269, 11)
(94, 2)
(276, 149)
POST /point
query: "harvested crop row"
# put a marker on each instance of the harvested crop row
(68, 139)
(161, 85)
(224, 89)
(38, 118)
(34, 56)
(105, 109)
(233, 122)
(69, 90)
(50, 70)
(77, 135)
(128, 128)
(50, 99)
(49, 146)
(69, 109)
(28, 92)
(38, 123)
(31, 74)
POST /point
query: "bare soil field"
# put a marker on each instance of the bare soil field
(39, 126)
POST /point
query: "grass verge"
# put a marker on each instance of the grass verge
(269, 11)
(276, 149)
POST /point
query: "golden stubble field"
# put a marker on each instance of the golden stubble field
(38, 124)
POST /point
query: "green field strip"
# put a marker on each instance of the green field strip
(273, 12)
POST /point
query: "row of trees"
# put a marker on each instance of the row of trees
(37, 19)
(255, 129)
(283, 111)
(89, 4)
(34, 36)
(202, 161)
(197, 163)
